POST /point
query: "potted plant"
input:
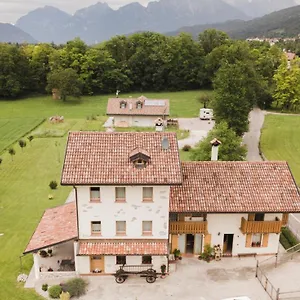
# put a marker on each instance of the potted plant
(50, 251)
(163, 269)
(177, 254)
(43, 253)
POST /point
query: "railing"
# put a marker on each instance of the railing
(188, 227)
(260, 226)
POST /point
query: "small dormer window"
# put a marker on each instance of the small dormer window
(140, 158)
(123, 104)
(139, 105)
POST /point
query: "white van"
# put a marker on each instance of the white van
(206, 114)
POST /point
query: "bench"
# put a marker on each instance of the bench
(246, 254)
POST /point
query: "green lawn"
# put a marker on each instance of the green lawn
(280, 141)
(24, 181)
(182, 104)
(12, 130)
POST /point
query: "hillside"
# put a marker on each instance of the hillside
(283, 23)
(12, 34)
(99, 22)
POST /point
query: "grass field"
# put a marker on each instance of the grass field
(24, 181)
(13, 129)
(280, 141)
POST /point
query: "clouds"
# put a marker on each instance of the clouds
(11, 10)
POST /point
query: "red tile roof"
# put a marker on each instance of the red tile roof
(162, 109)
(124, 247)
(226, 187)
(56, 226)
(94, 158)
(290, 55)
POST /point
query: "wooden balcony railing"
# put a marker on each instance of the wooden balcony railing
(260, 226)
(188, 227)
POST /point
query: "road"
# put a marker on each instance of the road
(251, 138)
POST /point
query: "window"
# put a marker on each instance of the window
(146, 260)
(96, 227)
(139, 105)
(256, 240)
(120, 194)
(121, 260)
(147, 194)
(121, 227)
(95, 194)
(259, 217)
(147, 227)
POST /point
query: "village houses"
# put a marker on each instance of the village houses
(136, 202)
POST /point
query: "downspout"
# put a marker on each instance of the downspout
(76, 200)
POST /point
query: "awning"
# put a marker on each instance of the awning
(121, 247)
(57, 225)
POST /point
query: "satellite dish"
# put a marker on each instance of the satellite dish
(165, 143)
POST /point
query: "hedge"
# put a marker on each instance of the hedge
(290, 236)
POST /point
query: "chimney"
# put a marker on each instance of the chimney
(215, 149)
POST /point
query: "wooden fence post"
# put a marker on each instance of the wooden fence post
(277, 294)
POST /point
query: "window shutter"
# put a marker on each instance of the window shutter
(248, 240)
(174, 241)
(265, 240)
(207, 239)
(251, 217)
(285, 218)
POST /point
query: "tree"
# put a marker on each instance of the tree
(231, 148)
(236, 88)
(66, 81)
(287, 79)
(1, 160)
(22, 144)
(205, 99)
(30, 138)
(211, 39)
(12, 152)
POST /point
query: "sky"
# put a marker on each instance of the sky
(12, 10)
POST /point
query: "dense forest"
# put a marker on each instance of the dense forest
(140, 62)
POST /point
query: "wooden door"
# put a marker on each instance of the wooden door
(97, 264)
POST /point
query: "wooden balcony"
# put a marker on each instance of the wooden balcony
(260, 226)
(181, 227)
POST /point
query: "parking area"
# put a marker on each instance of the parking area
(193, 280)
(198, 130)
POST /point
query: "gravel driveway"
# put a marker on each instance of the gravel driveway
(198, 130)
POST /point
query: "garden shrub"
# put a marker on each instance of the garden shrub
(53, 185)
(76, 287)
(289, 236)
(186, 148)
(284, 242)
(45, 287)
(54, 291)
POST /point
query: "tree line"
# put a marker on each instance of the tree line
(140, 62)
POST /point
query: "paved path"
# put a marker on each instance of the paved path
(251, 138)
(198, 130)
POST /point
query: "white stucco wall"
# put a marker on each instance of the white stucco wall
(230, 224)
(111, 267)
(134, 211)
(83, 264)
(136, 121)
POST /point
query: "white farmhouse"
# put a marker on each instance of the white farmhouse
(140, 112)
(136, 203)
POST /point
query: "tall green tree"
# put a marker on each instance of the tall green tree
(66, 81)
(231, 148)
(287, 79)
(236, 88)
(211, 39)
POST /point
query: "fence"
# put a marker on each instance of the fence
(270, 263)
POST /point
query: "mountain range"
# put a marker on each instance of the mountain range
(13, 34)
(100, 22)
(283, 23)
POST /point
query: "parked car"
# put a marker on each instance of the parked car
(206, 114)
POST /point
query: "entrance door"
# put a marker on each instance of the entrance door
(97, 264)
(228, 243)
(190, 241)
